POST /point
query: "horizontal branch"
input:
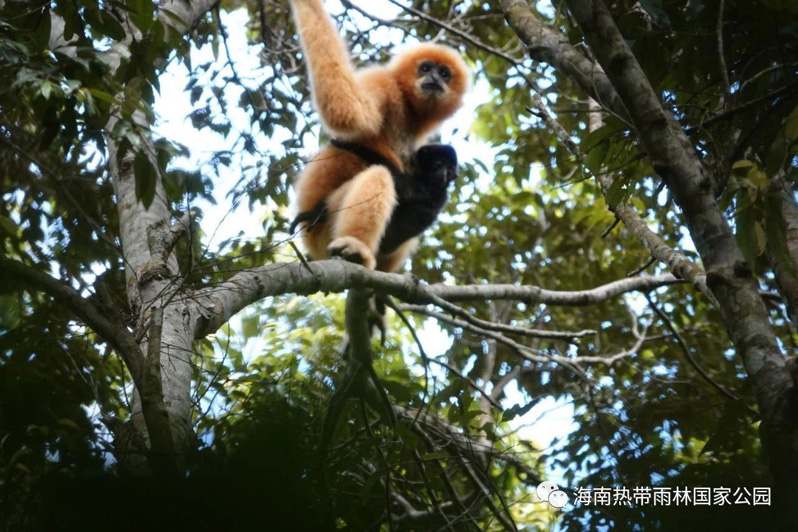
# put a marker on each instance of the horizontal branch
(219, 303)
(561, 298)
(510, 329)
(112, 332)
(523, 351)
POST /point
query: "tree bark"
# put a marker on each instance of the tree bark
(676, 162)
(785, 267)
(221, 302)
(161, 410)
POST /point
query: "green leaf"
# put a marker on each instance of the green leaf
(726, 436)
(174, 18)
(105, 97)
(111, 27)
(43, 29)
(8, 225)
(105, 23)
(616, 192)
(52, 126)
(598, 136)
(439, 455)
(758, 178)
(517, 410)
(69, 14)
(142, 13)
(46, 90)
(466, 418)
(251, 326)
(408, 436)
(777, 156)
(742, 163)
(399, 390)
(68, 423)
(791, 127)
(596, 157)
(761, 240)
(146, 178)
(745, 228)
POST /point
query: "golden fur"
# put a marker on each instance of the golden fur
(383, 108)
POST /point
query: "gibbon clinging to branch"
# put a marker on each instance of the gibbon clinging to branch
(420, 195)
(378, 116)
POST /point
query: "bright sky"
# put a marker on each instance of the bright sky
(545, 424)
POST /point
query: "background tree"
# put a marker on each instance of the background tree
(665, 138)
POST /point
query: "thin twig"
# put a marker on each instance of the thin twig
(686, 350)
(460, 33)
(721, 55)
(641, 269)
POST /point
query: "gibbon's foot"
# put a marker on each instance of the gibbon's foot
(352, 250)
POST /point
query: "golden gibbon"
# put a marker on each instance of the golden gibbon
(368, 193)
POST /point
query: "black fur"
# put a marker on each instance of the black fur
(420, 195)
(316, 215)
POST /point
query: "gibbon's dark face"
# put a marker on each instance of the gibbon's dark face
(434, 77)
(436, 161)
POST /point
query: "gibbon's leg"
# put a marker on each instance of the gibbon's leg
(394, 260)
(361, 209)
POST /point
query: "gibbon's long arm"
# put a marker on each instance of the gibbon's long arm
(346, 106)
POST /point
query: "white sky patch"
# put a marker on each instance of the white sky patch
(546, 425)
(173, 106)
(546, 422)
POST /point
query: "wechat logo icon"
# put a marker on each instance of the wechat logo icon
(549, 492)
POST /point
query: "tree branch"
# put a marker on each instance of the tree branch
(454, 438)
(729, 277)
(154, 409)
(676, 261)
(219, 303)
(525, 352)
(676, 162)
(686, 350)
(460, 33)
(785, 264)
(501, 327)
(112, 331)
(174, 233)
(547, 45)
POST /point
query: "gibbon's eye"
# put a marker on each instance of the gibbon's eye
(445, 73)
(425, 67)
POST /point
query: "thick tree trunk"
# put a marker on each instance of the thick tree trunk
(676, 162)
(161, 418)
(153, 283)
